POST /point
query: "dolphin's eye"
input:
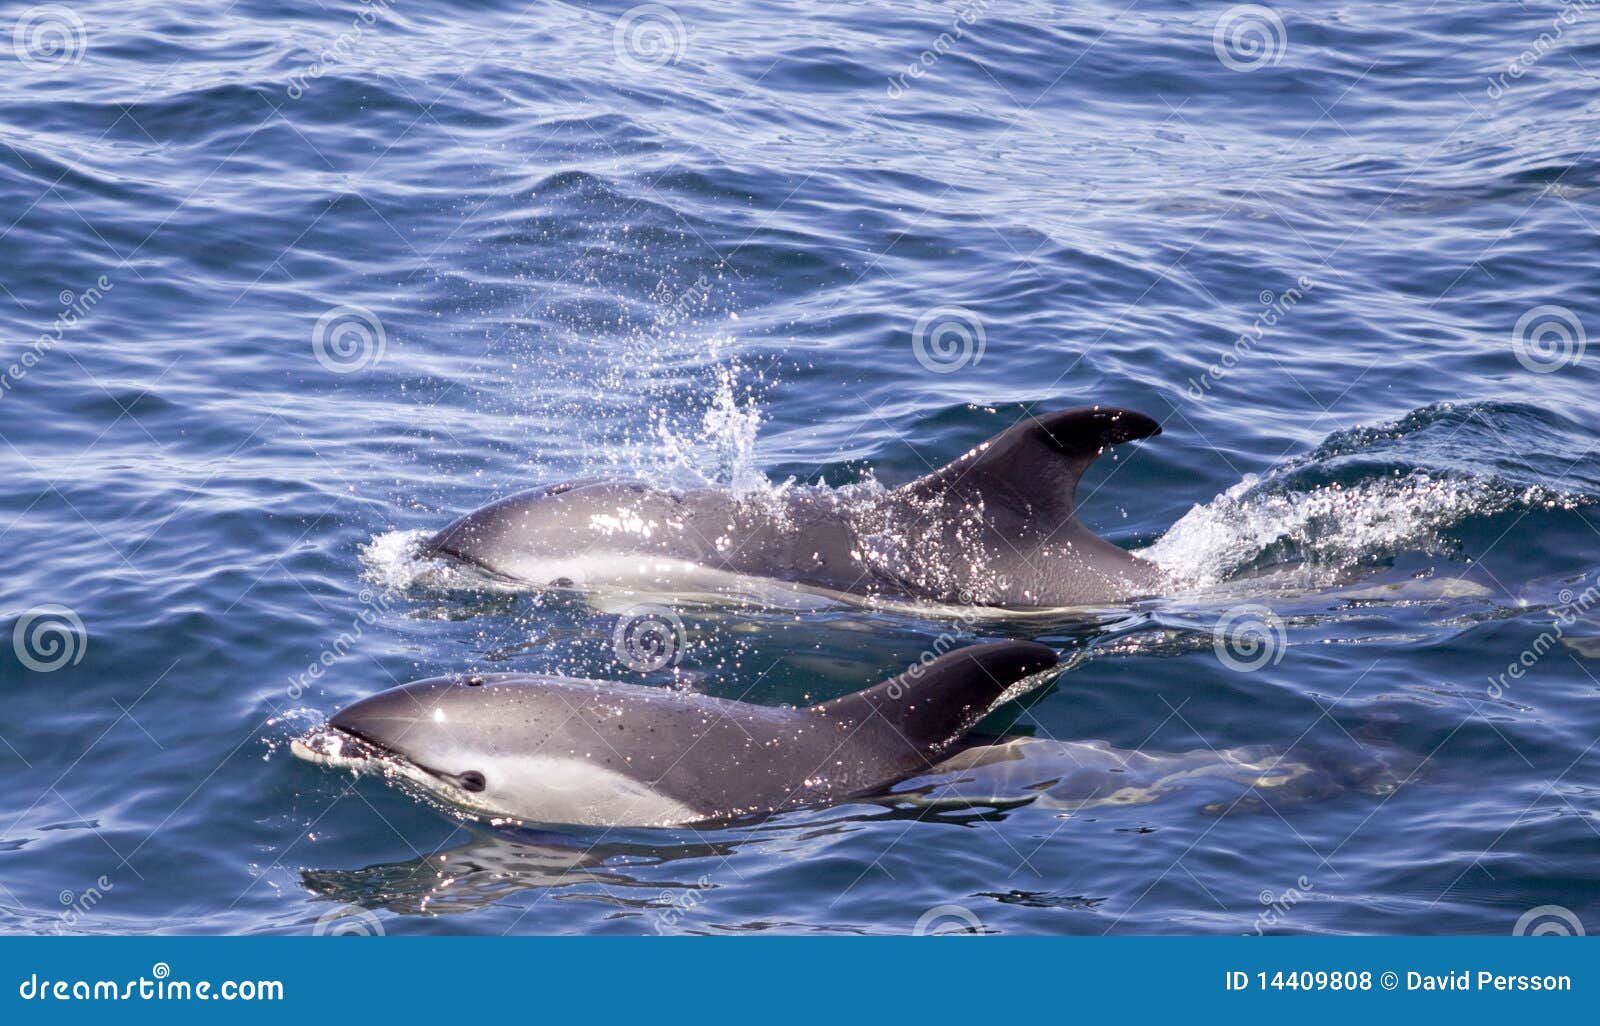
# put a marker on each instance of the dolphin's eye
(472, 781)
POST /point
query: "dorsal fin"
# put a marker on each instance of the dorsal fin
(1037, 462)
(932, 704)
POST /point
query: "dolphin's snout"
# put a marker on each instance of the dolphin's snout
(459, 541)
(409, 734)
(480, 538)
(371, 732)
(383, 720)
(419, 731)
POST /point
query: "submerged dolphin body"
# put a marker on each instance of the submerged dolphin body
(1075, 776)
(565, 750)
(994, 528)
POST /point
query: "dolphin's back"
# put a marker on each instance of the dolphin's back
(717, 757)
(727, 758)
(587, 533)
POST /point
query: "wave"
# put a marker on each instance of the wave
(1365, 495)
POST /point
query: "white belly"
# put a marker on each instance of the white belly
(577, 792)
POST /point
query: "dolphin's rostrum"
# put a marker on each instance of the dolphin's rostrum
(561, 750)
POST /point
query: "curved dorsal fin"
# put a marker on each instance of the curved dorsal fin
(1038, 461)
(934, 703)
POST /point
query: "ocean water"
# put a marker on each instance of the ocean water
(283, 284)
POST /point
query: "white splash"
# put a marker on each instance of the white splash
(1328, 528)
(719, 450)
(393, 561)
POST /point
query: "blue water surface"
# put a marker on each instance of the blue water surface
(284, 283)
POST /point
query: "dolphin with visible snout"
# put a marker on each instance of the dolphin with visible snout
(562, 750)
(996, 527)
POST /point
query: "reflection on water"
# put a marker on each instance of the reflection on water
(493, 866)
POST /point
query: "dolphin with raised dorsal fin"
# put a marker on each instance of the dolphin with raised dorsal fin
(563, 750)
(997, 527)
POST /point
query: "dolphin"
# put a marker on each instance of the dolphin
(563, 750)
(996, 527)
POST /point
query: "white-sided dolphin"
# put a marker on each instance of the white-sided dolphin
(562, 750)
(994, 528)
